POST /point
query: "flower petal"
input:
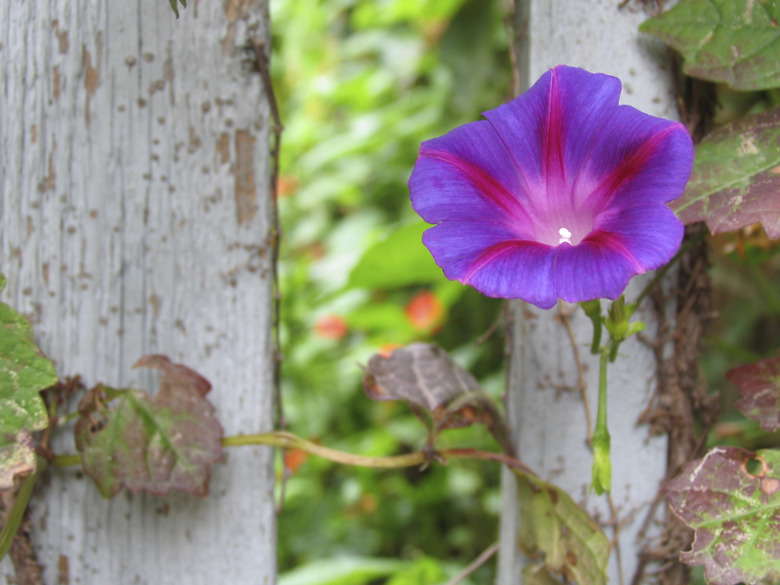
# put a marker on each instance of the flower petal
(467, 173)
(638, 159)
(591, 270)
(649, 233)
(560, 194)
(550, 129)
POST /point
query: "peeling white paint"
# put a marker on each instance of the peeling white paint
(103, 210)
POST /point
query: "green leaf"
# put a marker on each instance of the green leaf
(538, 575)
(400, 259)
(736, 177)
(423, 571)
(556, 529)
(153, 443)
(733, 41)
(759, 386)
(342, 571)
(735, 511)
(24, 372)
(175, 6)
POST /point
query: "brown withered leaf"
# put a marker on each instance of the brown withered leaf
(150, 443)
(441, 393)
(174, 375)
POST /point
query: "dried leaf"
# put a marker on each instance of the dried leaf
(441, 393)
(175, 377)
(421, 374)
(735, 513)
(556, 529)
(24, 372)
(734, 41)
(736, 177)
(759, 386)
(153, 443)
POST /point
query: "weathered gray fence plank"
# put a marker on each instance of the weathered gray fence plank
(135, 219)
(549, 422)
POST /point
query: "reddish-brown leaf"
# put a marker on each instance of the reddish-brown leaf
(152, 443)
(759, 386)
(736, 177)
(421, 374)
(441, 393)
(735, 511)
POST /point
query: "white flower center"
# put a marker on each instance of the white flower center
(565, 236)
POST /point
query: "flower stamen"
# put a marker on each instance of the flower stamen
(565, 236)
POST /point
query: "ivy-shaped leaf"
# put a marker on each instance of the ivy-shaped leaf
(731, 498)
(441, 393)
(733, 41)
(24, 372)
(153, 443)
(555, 528)
(736, 177)
(759, 386)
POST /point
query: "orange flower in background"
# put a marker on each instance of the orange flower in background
(331, 327)
(387, 349)
(294, 458)
(425, 312)
(287, 185)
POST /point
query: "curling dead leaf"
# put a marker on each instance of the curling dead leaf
(759, 386)
(175, 377)
(559, 532)
(735, 513)
(152, 443)
(441, 393)
(24, 372)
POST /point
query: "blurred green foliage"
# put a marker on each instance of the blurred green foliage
(361, 84)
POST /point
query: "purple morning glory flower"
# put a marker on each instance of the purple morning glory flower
(560, 193)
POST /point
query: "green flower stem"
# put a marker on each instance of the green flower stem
(602, 465)
(593, 312)
(601, 414)
(613, 353)
(286, 440)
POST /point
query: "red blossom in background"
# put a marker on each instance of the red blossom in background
(425, 311)
(560, 193)
(331, 327)
(387, 349)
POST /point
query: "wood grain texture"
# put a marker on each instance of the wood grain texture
(549, 420)
(136, 219)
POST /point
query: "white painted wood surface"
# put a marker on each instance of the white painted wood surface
(549, 423)
(135, 219)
